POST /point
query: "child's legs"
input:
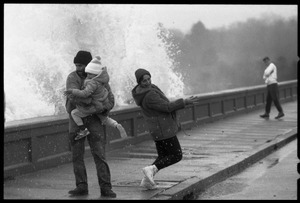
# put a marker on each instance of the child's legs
(77, 116)
(107, 121)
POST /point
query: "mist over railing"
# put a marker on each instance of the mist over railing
(39, 143)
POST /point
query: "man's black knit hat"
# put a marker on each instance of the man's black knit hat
(83, 57)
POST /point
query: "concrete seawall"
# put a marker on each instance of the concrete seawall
(212, 152)
(40, 143)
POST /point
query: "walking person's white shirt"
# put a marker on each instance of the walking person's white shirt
(270, 74)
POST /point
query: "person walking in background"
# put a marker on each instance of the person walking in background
(270, 77)
(160, 116)
(96, 139)
(95, 86)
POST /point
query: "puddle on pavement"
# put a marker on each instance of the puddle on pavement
(224, 188)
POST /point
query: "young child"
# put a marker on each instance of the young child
(95, 86)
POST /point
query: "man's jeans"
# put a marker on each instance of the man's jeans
(97, 142)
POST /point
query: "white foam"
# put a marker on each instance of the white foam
(40, 42)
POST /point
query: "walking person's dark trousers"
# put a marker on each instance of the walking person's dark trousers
(169, 152)
(97, 142)
(273, 96)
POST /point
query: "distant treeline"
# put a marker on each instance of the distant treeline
(231, 57)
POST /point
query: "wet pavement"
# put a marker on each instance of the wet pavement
(272, 178)
(211, 153)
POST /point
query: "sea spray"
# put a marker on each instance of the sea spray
(40, 42)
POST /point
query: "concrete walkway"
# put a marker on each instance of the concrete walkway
(211, 153)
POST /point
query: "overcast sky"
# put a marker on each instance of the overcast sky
(183, 16)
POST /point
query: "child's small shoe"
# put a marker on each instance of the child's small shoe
(122, 131)
(82, 134)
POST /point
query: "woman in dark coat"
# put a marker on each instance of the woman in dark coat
(160, 116)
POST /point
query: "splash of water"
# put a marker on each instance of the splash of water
(40, 42)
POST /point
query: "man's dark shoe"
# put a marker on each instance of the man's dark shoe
(79, 191)
(279, 115)
(265, 116)
(108, 193)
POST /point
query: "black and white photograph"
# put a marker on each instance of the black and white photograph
(150, 101)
